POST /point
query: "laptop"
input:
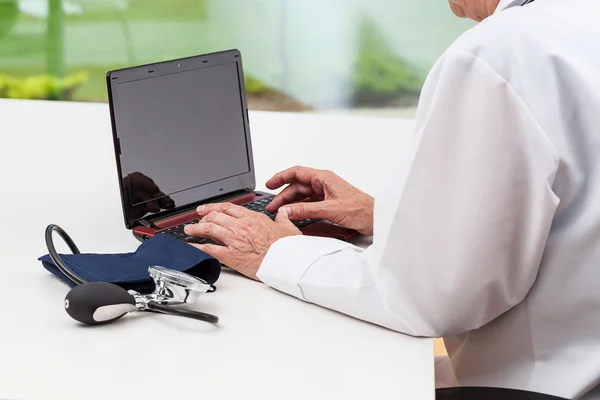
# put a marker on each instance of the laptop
(181, 139)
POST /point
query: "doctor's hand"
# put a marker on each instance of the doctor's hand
(246, 235)
(318, 194)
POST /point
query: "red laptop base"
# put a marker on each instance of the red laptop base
(321, 228)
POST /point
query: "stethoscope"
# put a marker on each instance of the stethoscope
(96, 303)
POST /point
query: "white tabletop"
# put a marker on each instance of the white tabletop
(57, 166)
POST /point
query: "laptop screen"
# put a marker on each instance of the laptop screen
(182, 136)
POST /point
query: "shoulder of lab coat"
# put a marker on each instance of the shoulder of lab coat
(513, 43)
(461, 223)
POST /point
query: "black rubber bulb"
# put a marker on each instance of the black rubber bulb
(97, 303)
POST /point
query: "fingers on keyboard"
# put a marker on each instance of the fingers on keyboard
(259, 206)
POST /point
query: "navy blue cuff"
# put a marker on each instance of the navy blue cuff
(130, 270)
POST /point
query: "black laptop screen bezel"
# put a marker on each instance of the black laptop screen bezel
(214, 190)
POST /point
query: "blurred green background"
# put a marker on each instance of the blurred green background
(299, 55)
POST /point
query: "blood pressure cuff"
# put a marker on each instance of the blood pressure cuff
(130, 270)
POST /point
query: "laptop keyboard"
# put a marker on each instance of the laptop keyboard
(259, 206)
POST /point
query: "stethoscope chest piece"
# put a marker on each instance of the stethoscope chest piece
(175, 287)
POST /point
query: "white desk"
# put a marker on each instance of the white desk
(57, 166)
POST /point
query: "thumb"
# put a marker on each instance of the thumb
(283, 214)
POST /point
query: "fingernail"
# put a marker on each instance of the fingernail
(187, 228)
(287, 210)
(200, 209)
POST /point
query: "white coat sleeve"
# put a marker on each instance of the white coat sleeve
(461, 228)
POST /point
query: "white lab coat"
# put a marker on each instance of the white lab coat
(488, 231)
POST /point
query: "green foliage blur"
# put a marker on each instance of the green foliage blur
(41, 87)
(151, 10)
(9, 14)
(47, 87)
(381, 78)
(254, 86)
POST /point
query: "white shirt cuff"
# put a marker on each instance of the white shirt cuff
(289, 258)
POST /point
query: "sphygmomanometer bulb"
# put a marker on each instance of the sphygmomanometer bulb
(98, 303)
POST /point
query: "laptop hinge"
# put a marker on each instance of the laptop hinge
(148, 224)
